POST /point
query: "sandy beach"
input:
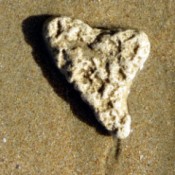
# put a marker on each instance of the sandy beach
(45, 127)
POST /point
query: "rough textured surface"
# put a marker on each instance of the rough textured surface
(101, 64)
(42, 129)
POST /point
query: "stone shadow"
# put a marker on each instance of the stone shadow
(32, 30)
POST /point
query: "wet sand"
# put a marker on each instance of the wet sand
(45, 128)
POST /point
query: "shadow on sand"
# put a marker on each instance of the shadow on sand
(32, 30)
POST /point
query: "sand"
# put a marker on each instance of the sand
(45, 128)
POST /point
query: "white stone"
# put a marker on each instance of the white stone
(4, 140)
(101, 64)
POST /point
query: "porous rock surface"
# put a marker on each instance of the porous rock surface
(101, 64)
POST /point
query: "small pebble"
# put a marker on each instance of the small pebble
(4, 140)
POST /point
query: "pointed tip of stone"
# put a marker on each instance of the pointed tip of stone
(125, 129)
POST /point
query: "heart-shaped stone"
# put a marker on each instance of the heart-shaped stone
(101, 64)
